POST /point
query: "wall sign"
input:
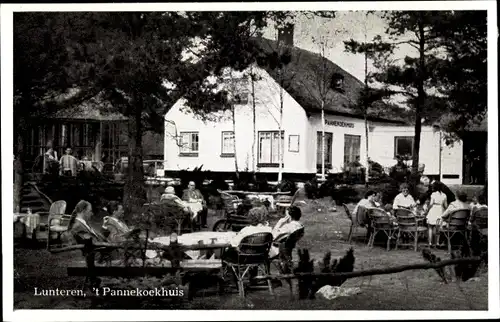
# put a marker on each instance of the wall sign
(293, 143)
(339, 123)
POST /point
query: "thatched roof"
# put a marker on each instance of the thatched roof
(303, 75)
(92, 109)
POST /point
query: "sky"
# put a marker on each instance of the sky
(345, 25)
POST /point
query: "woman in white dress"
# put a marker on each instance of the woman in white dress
(437, 206)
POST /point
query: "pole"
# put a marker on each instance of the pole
(440, 152)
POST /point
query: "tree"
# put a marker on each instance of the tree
(369, 96)
(416, 29)
(435, 78)
(322, 77)
(126, 58)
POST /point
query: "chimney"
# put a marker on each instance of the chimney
(285, 34)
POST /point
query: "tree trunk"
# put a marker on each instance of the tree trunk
(134, 193)
(18, 163)
(322, 140)
(419, 103)
(254, 119)
(280, 142)
(233, 113)
(367, 168)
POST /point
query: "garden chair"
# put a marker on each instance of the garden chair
(285, 202)
(479, 220)
(380, 221)
(286, 244)
(251, 253)
(409, 224)
(355, 224)
(229, 202)
(58, 222)
(455, 223)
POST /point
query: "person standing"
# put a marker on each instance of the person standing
(50, 159)
(69, 164)
(437, 206)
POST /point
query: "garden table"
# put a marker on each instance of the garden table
(198, 241)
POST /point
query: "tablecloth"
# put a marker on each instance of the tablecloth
(190, 239)
(195, 207)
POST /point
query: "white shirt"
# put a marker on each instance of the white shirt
(247, 231)
(403, 201)
(286, 226)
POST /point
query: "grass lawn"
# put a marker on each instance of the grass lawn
(410, 290)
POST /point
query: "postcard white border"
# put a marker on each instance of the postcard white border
(108, 315)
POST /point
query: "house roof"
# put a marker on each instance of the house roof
(302, 80)
(92, 109)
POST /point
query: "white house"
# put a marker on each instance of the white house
(191, 142)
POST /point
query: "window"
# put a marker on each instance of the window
(189, 143)
(268, 148)
(352, 146)
(227, 144)
(403, 146)
(328, 149)
(337, 82)
(293, 143)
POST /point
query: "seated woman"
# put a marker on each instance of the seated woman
(459, 204)
(169, 196)
(404, 200)
(80, 227)
(364, 204)
(258, 224)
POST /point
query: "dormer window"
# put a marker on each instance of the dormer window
(337, 82)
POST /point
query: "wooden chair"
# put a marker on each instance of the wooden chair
(252, 252)
(380, 221)
(455, 223)
(58, 222)
(408, 224)
(354, 221)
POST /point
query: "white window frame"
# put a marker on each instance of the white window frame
(225, 152)
(188, 146)
(273, 136)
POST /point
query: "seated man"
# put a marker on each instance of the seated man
(478, 203)
(404, 199)
(193, 195)
(285, 227)
(115, 226)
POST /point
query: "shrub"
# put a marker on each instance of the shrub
(328, 187)
(262, 185)
(345, 194)
(287, 185)
(311, 188)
